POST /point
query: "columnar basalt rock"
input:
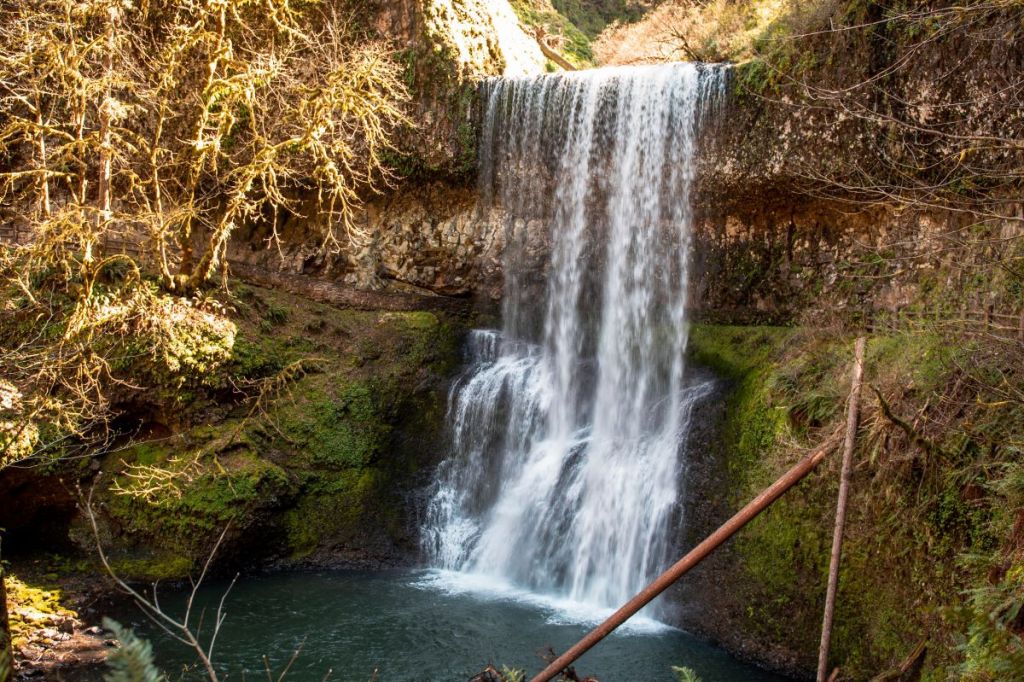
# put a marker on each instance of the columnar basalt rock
(429, 238)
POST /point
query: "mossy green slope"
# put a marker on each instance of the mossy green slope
(336, 412)
(932, 551)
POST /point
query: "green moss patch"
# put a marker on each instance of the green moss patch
(31, 608)
(151, 569)
(202, 497)
(337, 426)
(932, 548)
(307, 448)
(333, 508)
(735, 351)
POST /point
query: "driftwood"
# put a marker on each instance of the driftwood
(550, 52)
(909, 670)
(852, 415)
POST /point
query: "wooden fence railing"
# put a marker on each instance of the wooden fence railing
(1008, 326)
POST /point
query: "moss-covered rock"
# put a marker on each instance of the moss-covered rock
(331, 416)
(33, 610)
(154, 567)
(333, 509)
(185, 499)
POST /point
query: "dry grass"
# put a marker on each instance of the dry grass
(691, 30)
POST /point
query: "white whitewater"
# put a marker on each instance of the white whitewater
(567, 431)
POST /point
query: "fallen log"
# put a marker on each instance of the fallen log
(550, 52)
(909, 670)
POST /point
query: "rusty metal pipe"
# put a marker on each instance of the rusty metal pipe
(694, 557)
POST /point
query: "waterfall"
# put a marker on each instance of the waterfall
(567, 430)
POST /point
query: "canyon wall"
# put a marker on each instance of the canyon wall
(780, 234)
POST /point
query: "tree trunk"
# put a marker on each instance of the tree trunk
(551, 53)
(44, 178)
(106, 121)
(6, 655)
(852, 413)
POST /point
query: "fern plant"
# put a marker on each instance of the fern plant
(133, 660)
(684, 674)
(512, 675)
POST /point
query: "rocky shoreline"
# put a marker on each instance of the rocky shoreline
(55, 632)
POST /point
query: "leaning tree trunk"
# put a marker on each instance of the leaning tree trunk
(852, 415)
(6, 655)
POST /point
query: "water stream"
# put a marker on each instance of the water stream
(567, 430)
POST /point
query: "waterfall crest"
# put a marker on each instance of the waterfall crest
(567, 428)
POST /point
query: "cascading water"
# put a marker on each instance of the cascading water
(567, 430)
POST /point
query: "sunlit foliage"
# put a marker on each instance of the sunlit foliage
(135, 137)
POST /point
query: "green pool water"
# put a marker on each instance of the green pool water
(417, 626)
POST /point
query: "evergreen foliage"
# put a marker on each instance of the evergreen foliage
(684, 674)
(133, 660)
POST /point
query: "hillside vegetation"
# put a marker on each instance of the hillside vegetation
(573, 25)
(864, 177)
(933, 552)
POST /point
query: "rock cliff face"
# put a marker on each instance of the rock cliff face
(448, 45)
(821, 193)
(776, 239)
(428, 234)
(427, 237)
(799, 259)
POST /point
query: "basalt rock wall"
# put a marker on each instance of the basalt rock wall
(423, 232)
(783, 230)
